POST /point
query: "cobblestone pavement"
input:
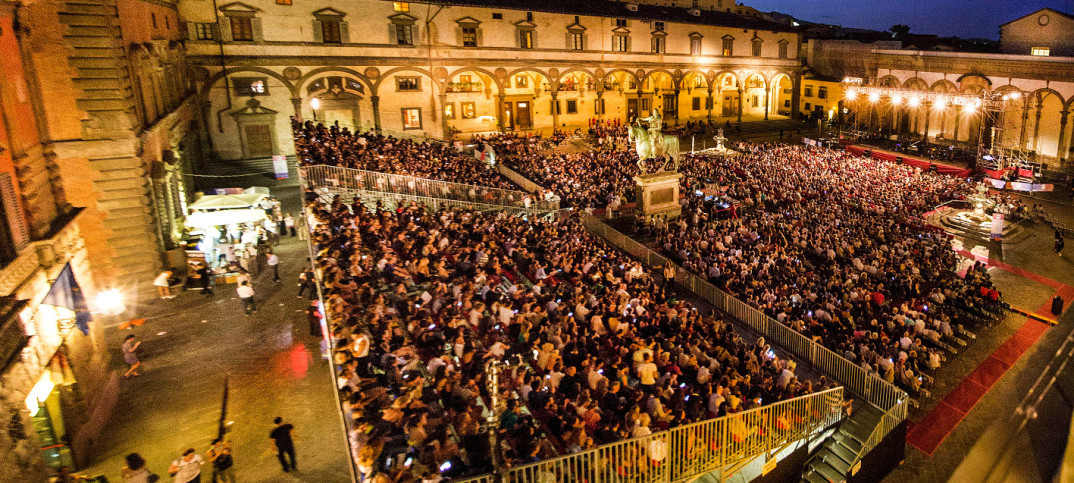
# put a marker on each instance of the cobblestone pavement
(190, 343)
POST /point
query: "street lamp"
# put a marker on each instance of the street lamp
(315, 104)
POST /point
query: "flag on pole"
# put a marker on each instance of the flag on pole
(66, 293)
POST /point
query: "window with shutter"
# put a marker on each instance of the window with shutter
(242, 29)
(14, 234)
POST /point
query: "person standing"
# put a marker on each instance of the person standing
(274, 263)
(289, 222)
(187, 469)
(308, 281)
(220, 456)
(136, 471)
(206, 280)
(163, 284)
(246, 294)
(129, 346)
(313, 317)
(282, 439)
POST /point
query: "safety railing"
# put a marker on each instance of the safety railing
(396, 200)
(890, 399)
(686, 451)
(356, 179)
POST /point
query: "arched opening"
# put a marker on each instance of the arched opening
(729, 100)
(340, 99)
(620, 98)
(753, 103)
(1045, 141)
(781, 94)
(694, 102)
(576, 98)
(522, 109)
(658, 92)
(473, 102)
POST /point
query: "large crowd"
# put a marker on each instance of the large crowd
(597, 348)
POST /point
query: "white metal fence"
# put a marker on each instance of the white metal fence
(890, 399)
(356, 179)
(691, 450)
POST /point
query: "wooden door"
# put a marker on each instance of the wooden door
(508, 116)
(523, 117)
(258, 140)
(631, 109)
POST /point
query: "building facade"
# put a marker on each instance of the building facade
(112, 99)
(55, 392)
(821, 98)
(1046, 32)
(433, 69)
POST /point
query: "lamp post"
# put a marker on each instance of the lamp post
(315, 104)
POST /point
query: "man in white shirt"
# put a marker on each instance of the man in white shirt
(274, 263)
(647, 372)
(246, 294)
(188, 468)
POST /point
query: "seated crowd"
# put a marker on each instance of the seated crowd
(334, 146)
(597, 349)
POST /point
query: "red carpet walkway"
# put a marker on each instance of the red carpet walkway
(928, 433)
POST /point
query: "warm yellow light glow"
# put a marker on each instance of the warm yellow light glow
(914, 101)
(1016, 95)
(941, 102)
(851, 94)
(110, 301)
(896, 99)
(874, 97)
(315, 103)
(39, 393)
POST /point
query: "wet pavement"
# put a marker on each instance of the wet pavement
(190, 345)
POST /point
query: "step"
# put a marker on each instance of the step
(831, 474)
(813, 477)
(849, 442)
(842, 452)
(834, 461)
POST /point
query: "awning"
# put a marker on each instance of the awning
(227, 202)
(225, 217)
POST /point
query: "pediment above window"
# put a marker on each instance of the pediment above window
(576, 28)
(660, 33)
(328, 12)
(468, 22)
(621, 30)
(403, 19)
(239, 7)
(696, 35)
(525, 25)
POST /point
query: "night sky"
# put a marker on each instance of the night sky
(963, 18)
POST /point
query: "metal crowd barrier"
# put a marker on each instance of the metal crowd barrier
(694, 449)
(888, 398)
(356, 179)
(395, 200)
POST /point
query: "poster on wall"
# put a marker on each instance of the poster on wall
(279, 165)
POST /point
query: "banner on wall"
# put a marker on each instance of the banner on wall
(279, 165)
(997, 226)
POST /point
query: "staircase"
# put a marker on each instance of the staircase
(842, 451)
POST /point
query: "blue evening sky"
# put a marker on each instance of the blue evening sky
(963, 18)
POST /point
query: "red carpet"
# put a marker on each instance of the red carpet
(929, 433)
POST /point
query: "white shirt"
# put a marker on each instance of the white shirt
(273, 259)
(245, 291)
(188, 470)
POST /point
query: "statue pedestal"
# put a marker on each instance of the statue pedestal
(658, 194)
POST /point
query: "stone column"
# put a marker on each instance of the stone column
(376, 112)
(958, 117)
(678, 108)
(600, 97)
(766, 96)
(928, 117)
(1025, 119)
(741, 98)
(711, 102)
(1036, 125)
(297, 103)
(443, 119)
(555, 108)
(1063, 146)
(500, 113)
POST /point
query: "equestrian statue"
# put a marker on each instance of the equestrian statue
(651, 143)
